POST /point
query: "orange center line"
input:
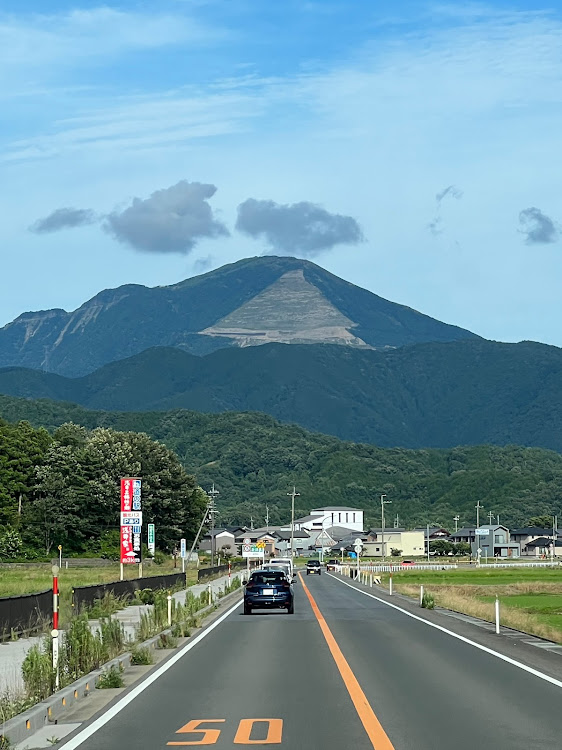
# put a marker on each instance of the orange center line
(371, 724)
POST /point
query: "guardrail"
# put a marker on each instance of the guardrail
(86, 595)
(26, 613)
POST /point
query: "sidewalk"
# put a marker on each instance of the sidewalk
(12, 653)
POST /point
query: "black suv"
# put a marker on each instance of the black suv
(332, 565)
(313, 566)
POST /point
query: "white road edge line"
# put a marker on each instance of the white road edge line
(509, 660)
(92, 728)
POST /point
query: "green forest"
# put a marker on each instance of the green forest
(254, 461)
(63, 488)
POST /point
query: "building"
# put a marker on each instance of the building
(493, 541)
(467, 534)
(224, 542)
(527, 538)
(436, 533)
(332, 515)
(410, 543)
(542, 547)
(301, 541)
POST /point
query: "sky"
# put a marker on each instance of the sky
(412, 148)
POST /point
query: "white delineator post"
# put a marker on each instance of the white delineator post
(55, 644)
(169, 610)
(210, 594)
(421, 594)
(390, 585)
(497, 615)
(121, 572)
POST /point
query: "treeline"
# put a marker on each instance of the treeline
(63, 488)
(254, 461)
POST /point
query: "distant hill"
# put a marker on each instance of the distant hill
(253, 301)
(254, 460)
(426, 395)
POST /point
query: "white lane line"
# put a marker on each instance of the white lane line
(92, 728)
(524, 667)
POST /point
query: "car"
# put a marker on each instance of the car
(313, 566)
(286, 561)
(332, 565)
(275, 568)
(268, 589)
(407, 563)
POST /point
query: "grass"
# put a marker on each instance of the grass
(530, 599)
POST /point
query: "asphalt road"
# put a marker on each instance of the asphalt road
(345, 671)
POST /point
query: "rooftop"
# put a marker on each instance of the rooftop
(330, 508)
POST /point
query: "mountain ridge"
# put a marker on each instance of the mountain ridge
(118, 323)
(424, 395)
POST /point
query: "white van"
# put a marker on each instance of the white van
(286, 562)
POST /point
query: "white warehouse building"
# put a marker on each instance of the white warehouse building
(331, 515)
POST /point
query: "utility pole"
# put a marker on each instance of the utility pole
(212, 495)
(292, 495)
(456, 519)
(478, 509)
(383, 503)
(491, 517)
(397, 522)
(251, 523)
(267, 518)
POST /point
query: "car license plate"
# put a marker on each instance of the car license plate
(268, 592)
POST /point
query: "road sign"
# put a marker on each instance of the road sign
(482, 532)
(252, 550)
(247, 540)
(261, 545)
(151, 539)
(358, 546)
(183, 549)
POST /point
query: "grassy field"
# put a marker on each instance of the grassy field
(22, 579)
(530, 598)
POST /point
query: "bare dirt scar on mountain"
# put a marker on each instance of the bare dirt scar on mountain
(291, 310)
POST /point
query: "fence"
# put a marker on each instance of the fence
(203, 573)
(24, 614)
(86, 595)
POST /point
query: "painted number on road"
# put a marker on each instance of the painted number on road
(249, 732)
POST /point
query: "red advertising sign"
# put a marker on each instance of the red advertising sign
(131, 511)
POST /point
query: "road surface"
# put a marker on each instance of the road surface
(346, 671)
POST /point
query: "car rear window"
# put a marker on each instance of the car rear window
(267, 577)
(313, 562)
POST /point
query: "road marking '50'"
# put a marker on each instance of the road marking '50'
(243, 734)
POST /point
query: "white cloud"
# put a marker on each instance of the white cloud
(65, 39)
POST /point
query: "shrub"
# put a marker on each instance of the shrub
(37, 671)
(146, 596)
(428, 601)
(167, 641)
(110, 679)
(141, 655)
(159, 557)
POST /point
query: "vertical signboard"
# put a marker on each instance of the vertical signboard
(131, 520)
(151, 539)
(183, 549)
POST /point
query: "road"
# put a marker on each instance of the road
(346, 671)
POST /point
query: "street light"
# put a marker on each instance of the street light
(383, 503)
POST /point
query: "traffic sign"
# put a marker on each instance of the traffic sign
(358, 546)
(247, 540)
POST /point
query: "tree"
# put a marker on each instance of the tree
(541, 522)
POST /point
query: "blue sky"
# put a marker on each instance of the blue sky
(436, 126)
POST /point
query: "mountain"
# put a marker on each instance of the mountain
(254, 460)
(426, 395)
(253, 301)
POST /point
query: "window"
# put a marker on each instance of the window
(346, 517)
(339, 516)
(354, 518)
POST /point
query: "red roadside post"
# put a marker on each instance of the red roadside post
(55, 630)
(229, 571)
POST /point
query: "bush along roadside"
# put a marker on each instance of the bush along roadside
(82, 651)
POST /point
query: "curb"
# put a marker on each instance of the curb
(49, 711)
